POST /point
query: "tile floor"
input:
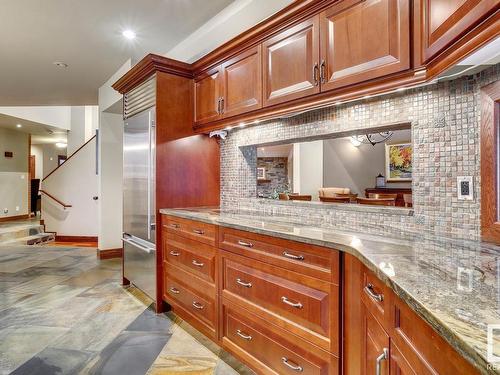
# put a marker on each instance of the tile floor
(62, 311)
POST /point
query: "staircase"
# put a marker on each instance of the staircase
(24, 233)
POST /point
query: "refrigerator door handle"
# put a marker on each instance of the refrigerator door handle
(149, 176)
(136, 244)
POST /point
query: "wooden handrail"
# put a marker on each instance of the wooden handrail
(55, 199)
(69, 157)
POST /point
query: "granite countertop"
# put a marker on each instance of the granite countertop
(453, 285)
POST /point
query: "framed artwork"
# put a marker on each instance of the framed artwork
(398, 162)
(261, 173)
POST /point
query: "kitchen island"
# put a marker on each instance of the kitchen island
(451, 285)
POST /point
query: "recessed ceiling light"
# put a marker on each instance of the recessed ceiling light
(19, 126)
(60, 64)
(129, 34)
(61, 145)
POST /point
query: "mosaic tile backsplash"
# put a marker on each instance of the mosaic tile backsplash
(445, 120)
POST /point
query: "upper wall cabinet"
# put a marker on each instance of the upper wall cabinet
(230, 89)
(242, 83)
(291, 63)
(207, 95)
(362, 40)
(444, 21)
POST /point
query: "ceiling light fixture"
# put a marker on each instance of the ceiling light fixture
(61, 145)
(129, 34)
(370, 139)
(60, 64)
(19, 126)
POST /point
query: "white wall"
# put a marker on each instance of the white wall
(37, 152)
(110, 181)
(108, 96)
(50, 157)
(84, 121)
(357, 167)
(110, 211)
(308, 168)
(13, 194)
(76, 184)
(13, 173)
(228, 23)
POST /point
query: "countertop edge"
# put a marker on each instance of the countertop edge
(464, 349)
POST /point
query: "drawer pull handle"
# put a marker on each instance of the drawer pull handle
(246, 244)
(380, 358)
(174, 225)
(197, 264)
(369, 290)
(291, 365)
(292, 256)
(243, 283)
(174, 253)
(243, 335)
(198, 305)
(199, 231)
(285, 300)
(175, 290)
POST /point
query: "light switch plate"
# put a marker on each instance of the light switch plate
(465, 188)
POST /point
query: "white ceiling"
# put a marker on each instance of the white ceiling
(85, 34)
(40, 133)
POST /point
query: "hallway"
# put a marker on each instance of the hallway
(62, 311)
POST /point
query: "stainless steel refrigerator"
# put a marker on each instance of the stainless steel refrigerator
(139, 216)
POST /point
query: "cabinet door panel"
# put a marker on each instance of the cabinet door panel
(375, 342)
(289, 61)
(242, 83)
(207, 91)
(363, 40)
(444, 21)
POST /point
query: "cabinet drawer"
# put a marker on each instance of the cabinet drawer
(196, 257)
(376, 297)
(201, 308)
(195, 230)
(200, 286)
(306, 259)
(271, 350)
(308, 306)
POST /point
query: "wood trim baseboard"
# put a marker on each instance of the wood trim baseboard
(17, 217)
(76, 238)
(110, 253)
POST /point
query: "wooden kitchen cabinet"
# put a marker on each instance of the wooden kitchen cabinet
(412, 346)
(374, 347)
(242, 83)
(232, 88)
(290, 63)
(272, 350)
(442, 22)
(207, 96)
(306, 307)
(363, 40)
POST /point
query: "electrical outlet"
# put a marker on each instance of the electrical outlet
(17, 208)
(465, 188)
